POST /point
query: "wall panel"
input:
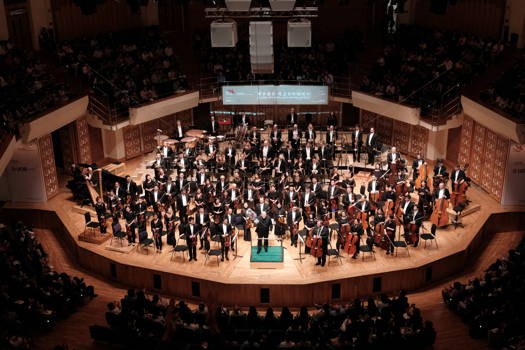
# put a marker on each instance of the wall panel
(148, 131)
(477, 153)
(132, 141)
(401, 139)
(83, 141)
(49, 169)
(467, 130)
(418, 140)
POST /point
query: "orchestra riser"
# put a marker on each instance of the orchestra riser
(235, 283)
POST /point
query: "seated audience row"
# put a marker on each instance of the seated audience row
(508, 92)
(371, 324)
(28, 87)
(493, 305)
(128, 68)
(33, 295)
(414, 57)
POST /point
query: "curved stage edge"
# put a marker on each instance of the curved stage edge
(246, 294)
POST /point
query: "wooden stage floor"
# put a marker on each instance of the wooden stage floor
(239, 271)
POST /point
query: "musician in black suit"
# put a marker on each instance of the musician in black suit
(202, 220)
(326, 153)
(440, 169)
(179, 131)
(261, 206)
(266, 150)
(191, 232)
(331, 135)
(156, 229)
(393, 157)
(357, 229)
(416, 217)
(310, 133)
(156, 197)
(166, 154)
(332, 119)
(357, 143)
(418, 162)
(263, 230)
(294, 136)
(441, 192)
(322, 231)
(293, 218)
(280, 165)
(290, 197)
(183, 203)
(224, 230)
(289, 154)
(457, 177)
(292, 117)
(130, 187)
(372, 144)
(213, 126)
(222, 185)
(275, 137)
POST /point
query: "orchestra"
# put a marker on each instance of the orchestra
(284, 182)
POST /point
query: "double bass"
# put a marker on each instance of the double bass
(439, 216)
(460, 195)
(316, 248)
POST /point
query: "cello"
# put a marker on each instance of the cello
(439, 216)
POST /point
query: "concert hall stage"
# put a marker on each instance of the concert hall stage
(295, 283)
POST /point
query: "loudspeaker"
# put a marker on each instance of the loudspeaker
(238, 5)
(376, 284)
(113, 270)
(428, 274)
(282, 5)
(261, 47)
(195, 289)
(157, 282)
(336, 291)
(265, 295)
(300, 33)
(223, 34)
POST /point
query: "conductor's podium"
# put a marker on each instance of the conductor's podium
(271, 259)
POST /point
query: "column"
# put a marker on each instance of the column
(437, 144)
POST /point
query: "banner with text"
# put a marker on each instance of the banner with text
(274, 95)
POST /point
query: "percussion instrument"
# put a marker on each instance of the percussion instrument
(170, 142)
(160, 137)
(195, 133)
(190, 141)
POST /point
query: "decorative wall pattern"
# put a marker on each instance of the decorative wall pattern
(477, 152)
(148, 131)
(418, 140)
(401, 136)
(486, 153)
(408, 139)
(132, 141)
(466, 140)
(49, 170)
(83, 141)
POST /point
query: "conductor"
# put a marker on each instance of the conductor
(263, 230)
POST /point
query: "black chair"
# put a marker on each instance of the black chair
(333, 252)
(367, 249)
(118, 234)
(427, 236)
(401, 244)
(179, 248)
(91, 225)
(213, 252)
(144, 241)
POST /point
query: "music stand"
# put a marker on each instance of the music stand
(301, 242)
(234, 238)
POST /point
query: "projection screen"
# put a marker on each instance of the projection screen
(274, 95)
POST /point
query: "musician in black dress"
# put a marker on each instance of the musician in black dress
(130, 218)
(263, 230)
(390, 231)
(357, 229)
(156, 229)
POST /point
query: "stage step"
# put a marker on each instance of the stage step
(471, 208)
(84, 209)
(116, 247)
(95, 239)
